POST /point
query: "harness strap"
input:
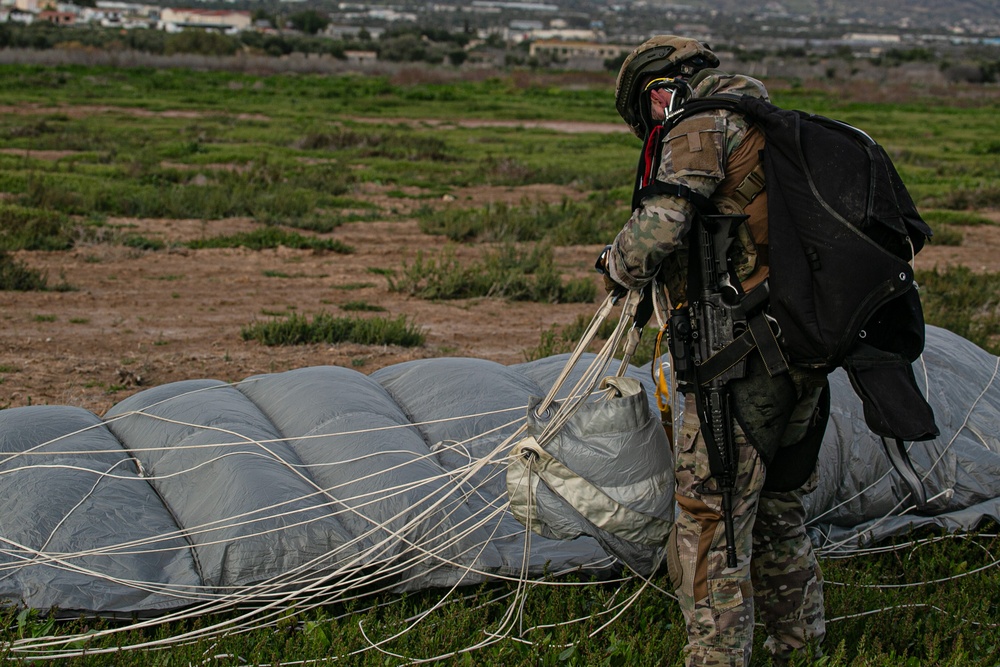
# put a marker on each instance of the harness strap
(702, 203)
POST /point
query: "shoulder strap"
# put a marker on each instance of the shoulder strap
(646, 183)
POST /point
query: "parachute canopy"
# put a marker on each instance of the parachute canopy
(322, 483)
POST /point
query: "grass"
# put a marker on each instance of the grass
(29, 228)
(964, 302)
(286, 150)
(271, 237)
(593, 221)
(362, 306)
(15, 275)
(298, 329)
(510, 272)
(923, 603)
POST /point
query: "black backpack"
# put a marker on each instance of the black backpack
(841, 231)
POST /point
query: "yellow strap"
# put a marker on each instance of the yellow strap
(661, 382)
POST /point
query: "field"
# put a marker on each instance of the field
(178, 224)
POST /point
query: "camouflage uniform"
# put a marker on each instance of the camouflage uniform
(782, 577)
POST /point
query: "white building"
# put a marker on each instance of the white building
(176, 20)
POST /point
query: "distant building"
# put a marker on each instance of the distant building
(14, 15)
(579, 55)
(33, 6)
(176, 20)
(521, 6)
(57, 18)
(361, 57)
(871, 38)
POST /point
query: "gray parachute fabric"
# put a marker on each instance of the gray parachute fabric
(860, 500)
(319, 481)
(321, 484)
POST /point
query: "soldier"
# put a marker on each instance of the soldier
(778, 421)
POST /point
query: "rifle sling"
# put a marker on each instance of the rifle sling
(760, 337)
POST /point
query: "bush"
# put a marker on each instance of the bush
(510, 273)
(271, 237)
(325, 328)
(30, 228)
(201, 42)
(568, 223)
(15, 276)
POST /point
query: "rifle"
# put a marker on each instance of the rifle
(717, 317)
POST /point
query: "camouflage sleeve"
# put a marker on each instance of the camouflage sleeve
(693, 154)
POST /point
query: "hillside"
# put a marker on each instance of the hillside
(877, 12)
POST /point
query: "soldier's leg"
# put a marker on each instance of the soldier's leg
(717, 602)
(788, 584)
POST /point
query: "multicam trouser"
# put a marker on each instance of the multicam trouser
(782, 577)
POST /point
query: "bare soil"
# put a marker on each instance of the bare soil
(135, 319)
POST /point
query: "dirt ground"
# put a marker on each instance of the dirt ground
(136, 319)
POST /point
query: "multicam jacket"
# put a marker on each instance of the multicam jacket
(715, 154)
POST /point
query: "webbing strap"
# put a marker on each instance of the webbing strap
(700, 202)
(751, 186)
(758, 337)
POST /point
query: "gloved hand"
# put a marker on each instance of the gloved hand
(601, 265)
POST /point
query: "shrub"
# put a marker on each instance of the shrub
(325, 328)
(16, 276)
(509, 272)
(946, 235)
(29, 228)
(271, 237)
(567, 223)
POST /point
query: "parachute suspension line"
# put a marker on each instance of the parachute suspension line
(593, 373)
(41, 550)
(512, 616)
(914, 605)
(828, 549)
(581, 346)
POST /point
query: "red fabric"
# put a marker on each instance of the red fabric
(650, 156)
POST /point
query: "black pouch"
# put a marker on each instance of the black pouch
(894, 406)
(792, 465)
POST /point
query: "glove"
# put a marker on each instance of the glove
(610, 284)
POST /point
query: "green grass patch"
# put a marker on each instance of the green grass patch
(16, 276)
(362, 306)
(510, 272)
(325, 328)
(30, 228)
(395, 145)
(271, 237)
(593, 221)
(957, 218)
(946, 235)
(925, 603)
(963, 302)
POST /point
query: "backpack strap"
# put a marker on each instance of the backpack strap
(751, 186)
(646, 184)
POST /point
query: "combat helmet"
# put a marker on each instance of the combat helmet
(666, 56)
